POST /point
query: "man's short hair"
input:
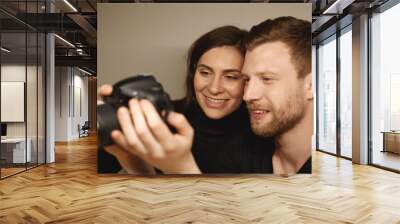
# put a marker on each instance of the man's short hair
(295, 33)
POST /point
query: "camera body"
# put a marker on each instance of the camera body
(139, 87)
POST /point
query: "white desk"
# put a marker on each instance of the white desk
(18, 149)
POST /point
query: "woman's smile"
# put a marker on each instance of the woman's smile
(216, 103)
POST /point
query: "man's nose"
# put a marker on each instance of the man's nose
(215, 86)
(252, 91)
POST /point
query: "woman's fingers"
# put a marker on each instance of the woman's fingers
(119, 138)
(131, 163)
(105, 90)
(143, 132)
(129, 140)
(157, 125)
(179, 122)
(116, 151)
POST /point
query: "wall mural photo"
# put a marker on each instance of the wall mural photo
(204, 89)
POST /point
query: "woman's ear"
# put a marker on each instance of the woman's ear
(308, 87)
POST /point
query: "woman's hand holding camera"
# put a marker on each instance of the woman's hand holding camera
(145, 135)
(130, 162)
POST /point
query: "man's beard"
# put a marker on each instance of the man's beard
(283, 118)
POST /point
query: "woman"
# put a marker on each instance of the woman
(213, 105)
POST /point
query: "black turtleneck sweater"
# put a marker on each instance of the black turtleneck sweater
(227, 145)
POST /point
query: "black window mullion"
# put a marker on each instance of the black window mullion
(0, 95)
(26, 87)
(37, 91)
(317, 97)
(369, 96)
(338, 73)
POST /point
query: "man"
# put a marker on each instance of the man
(278, 92)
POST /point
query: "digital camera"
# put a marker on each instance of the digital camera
(140, 87)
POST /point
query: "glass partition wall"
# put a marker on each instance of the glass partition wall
(22, 100)
(13, 87)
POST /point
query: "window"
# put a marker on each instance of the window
(327, 95)
(346, 92)
(385, 89)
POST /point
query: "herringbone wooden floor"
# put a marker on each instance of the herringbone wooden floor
(70, 191)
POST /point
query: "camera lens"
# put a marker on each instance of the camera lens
(106, 123)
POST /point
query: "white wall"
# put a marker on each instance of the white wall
(70, 83)
(80, 97)
(154, 38)
(12, 73)
(61, 103)
(50, 95)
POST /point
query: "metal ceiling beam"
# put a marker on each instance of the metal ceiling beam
(84, 24)
(49, 22)
(318, 24)
(91, 5)
(84, 61)
(15, 18)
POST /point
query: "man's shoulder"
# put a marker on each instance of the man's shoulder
(306, 168)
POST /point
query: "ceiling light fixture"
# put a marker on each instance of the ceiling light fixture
(84, 71)
(70, 5)
(337, 7)
(64, 40)
(79, 51)
(333, 6)
(5, 50)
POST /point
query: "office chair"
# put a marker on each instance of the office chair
(84, 130)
